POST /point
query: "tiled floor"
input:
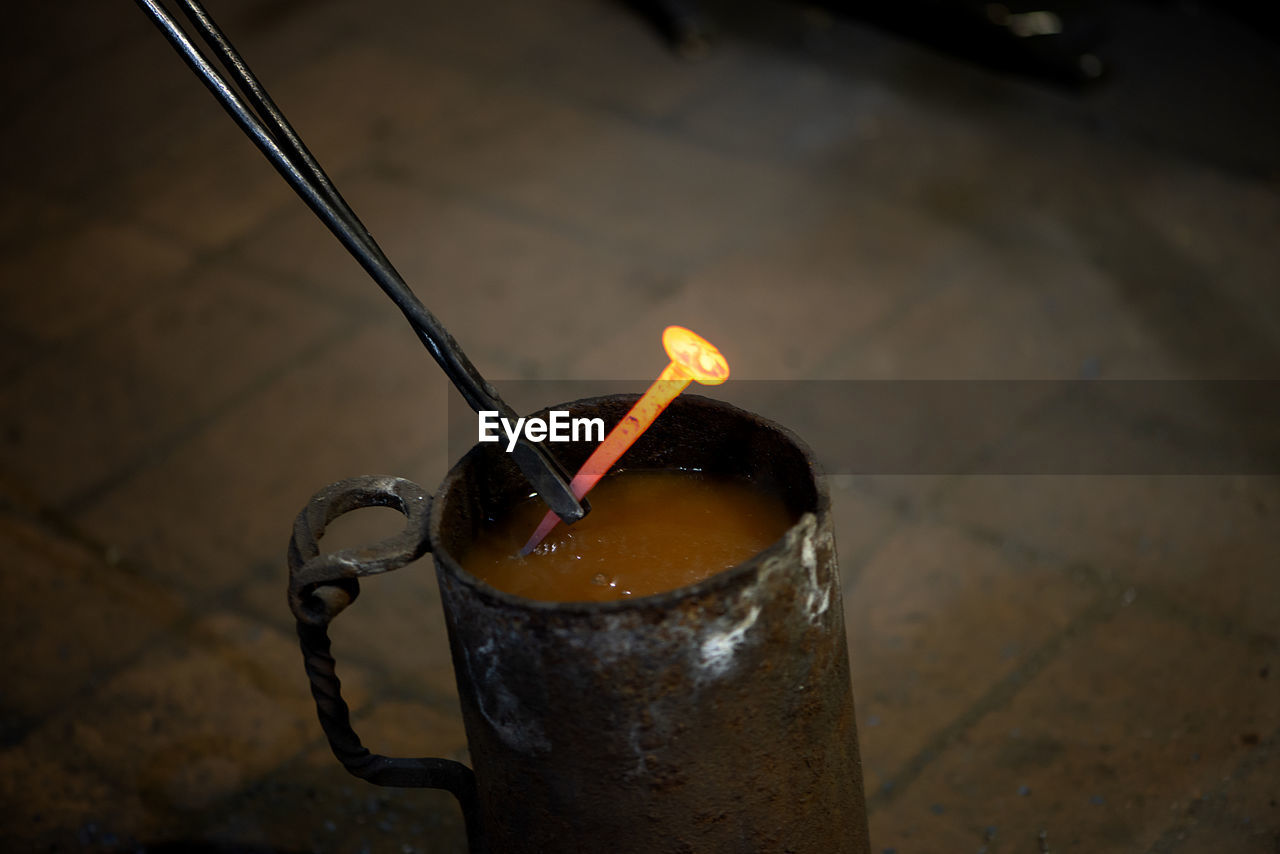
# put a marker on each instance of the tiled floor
(1050, 662)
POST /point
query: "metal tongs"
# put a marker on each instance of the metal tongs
(257, 115)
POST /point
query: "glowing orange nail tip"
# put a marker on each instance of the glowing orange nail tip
(693, 359)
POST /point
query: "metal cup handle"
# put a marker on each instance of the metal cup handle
(321, 586)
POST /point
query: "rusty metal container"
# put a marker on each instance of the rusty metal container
(713, 718)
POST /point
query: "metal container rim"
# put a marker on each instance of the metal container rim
(664, 600)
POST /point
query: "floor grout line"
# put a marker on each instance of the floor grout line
(183, 624)
(515, 212)
(1101, 610)
(163, 448)
(1112, 594)
(1116, 583)
(1111, 580)
(1169, 841)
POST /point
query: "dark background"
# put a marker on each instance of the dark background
(1041, 663)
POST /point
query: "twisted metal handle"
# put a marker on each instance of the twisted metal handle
(322, 586)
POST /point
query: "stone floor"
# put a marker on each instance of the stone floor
(1070, 661)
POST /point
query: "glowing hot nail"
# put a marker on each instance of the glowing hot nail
(693, 358)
